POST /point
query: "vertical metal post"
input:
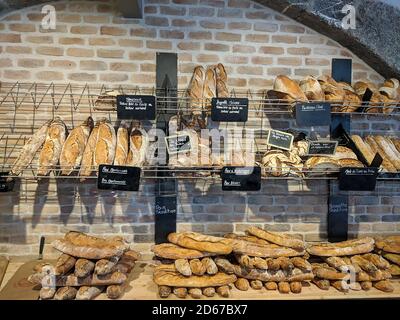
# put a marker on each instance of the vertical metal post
(166, 188)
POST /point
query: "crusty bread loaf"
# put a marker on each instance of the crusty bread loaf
(388, 152)
(351, 102)
(221, 81)
(65, 293)
(64, 264)
(389, 244)
(104, 151)
(168, 276)
(74, 146)
(196, 86)
(344, 153)
(364, 148)
(210, 87)
(139, 143)
(83, 267)
(88, 293)
(30, 149)
(88, 154)
(50, 154)
(122, 149)
(344, 248)
(386, 163)
(286, 89)
(84, 246)
(312, 89)
(201, 242)
(172, 251)
(350, 163)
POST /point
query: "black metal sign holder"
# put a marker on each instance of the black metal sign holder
(166, 187)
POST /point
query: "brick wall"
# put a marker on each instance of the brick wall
(93, 44)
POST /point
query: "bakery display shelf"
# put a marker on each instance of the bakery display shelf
(207, 173)
(37, 102)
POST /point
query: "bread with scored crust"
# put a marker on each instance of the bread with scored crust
(286, 89)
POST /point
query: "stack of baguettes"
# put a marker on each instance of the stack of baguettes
(387, 147)
(88, 266)
(82, 149)
(389, 248)
(206, 84)
(195, 264)
(350, 265)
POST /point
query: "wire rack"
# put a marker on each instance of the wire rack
(24, 107)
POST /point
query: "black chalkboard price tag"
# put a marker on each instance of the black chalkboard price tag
(6, 183)
(229, 109)
(118, 178)
(322, 148)
(241, 178)
(165, 217)
(313, 114)
(280, 139)
(134, 107)
(358, 179)
(180, 143)
(338, 217)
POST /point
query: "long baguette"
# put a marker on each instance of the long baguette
(345, 248)
(386, 164)
(364, 148)
(396, 142)
(392, 147)
(280, 239)
(387, 150)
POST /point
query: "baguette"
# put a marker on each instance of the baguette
(339, 286)
(394, 270)
(367, 266)
(224, 265)
(209, 265)
(88, 154)
(322, 284)
(301, 263)
(247, 238)
(104, 151)
(389, 244)
(396, 143)
(279, 239)
(88, 293)
(50, 154)
(197, 267)
(196, 87)
(122, 149)
(328, 273)
(201, 242)
(273, 264)
(384, 286)
(394, 258)
(337, 263)
(295, 287)
(242, 284)
(267, 275)
(345, 248)
(30, 149)
(164, 291)
(210, 88)
(221, 81)
(181, 292)
(105, 266)
(377, 260)
(172, 251)
(81, 245)
(286, 265)
(387, 151)
(167, 275)
(283, 287)
(74, 281)
(366, 285)
(364, 148)
(362, 276)
(74, 146)
(260, 263)
(195, 293)
(83, 268)
(64, 264)
(209, 292)
(256, 284)
(183, 267)
(65, 293)
(386, 163)
(47, 293)
(139, 143)
(270, 285)
(223, 291)
(264, 251)
(355, 286)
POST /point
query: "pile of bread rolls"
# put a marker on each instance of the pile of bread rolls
(350, 265)
(387, 147)
(87, 267)
(84, 148)
(343, 96)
